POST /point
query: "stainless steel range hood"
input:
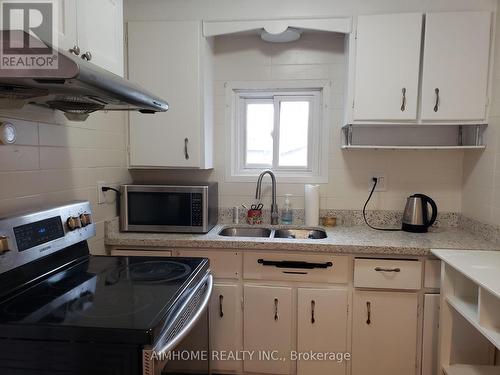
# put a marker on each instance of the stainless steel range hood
(77, 87)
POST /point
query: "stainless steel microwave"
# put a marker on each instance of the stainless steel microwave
(169, 208)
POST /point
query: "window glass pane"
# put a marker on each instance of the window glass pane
(259, 133)
(294, 133)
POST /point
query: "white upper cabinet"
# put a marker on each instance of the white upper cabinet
(388, 83)
(94, 29)
(100, 32)
(172, 60)
(387, 67)
(67, 24)
(456, 66)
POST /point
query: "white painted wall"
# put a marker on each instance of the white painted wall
(241, 58)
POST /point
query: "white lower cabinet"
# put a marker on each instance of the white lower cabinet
(384, 340)
(267, 328)
(225, 326)
(321, 328)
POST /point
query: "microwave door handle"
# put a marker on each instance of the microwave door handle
(197, 315)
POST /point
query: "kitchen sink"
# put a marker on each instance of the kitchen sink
(300, 234)
(245, 232)
(312, 234)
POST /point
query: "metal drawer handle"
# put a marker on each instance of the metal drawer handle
(313, 306)
(221, 312)
(403, 104)
(186, 153)
(380, 269)
(276, 309)
(368, 312)
(294, 264)
(436, 106)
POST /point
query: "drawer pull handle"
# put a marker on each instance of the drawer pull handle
(221, 312)
(313, 305)
(403, 104)
(380, 269)
(368, 312)
(294, 264)
(186, 153)
(436, 106)
(276, 309)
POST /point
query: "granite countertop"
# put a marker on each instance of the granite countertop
(342, 239)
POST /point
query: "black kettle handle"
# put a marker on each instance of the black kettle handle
(434, 209)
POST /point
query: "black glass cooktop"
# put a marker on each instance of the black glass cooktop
(110, 293)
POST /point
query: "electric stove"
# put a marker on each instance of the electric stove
(64, 311)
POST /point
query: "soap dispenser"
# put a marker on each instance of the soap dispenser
(286, 213)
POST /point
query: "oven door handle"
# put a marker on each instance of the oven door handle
(196, 316)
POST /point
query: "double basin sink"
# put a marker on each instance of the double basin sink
(297, 233)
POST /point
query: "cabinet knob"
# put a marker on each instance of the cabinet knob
(313, 306)
(368, 312)
(87, 56)
(75, 50)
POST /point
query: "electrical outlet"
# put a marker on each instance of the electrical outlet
(381, 182)
(101, 198)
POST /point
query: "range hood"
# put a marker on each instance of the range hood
(76, 87)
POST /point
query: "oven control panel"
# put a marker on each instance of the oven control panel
(33, 235)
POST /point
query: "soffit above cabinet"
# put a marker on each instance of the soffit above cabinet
(335, 25)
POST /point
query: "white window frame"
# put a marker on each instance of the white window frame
(238, 94)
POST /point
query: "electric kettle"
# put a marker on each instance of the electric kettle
(416, 214)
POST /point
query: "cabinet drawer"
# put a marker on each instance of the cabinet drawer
(296, 267)
(224, 264)
(387, 274)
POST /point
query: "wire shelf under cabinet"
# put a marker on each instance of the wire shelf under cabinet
(413, 137)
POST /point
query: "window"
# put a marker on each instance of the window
(280, 129)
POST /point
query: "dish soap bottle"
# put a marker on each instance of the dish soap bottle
(286, 213)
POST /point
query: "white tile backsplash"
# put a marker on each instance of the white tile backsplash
(56, 161)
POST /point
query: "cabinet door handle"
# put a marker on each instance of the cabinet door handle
(186, 153)
(75, 50)
(403, 103)
(313, 306)
(436, 106)
(87, 56)
(368, 312)
(221, 312)
(276, 309)
(380, 269)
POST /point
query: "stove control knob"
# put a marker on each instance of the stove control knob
(73, 223)
(85, 219)
(4, 245)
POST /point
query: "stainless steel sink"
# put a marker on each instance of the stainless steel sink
(312, 234)
(245, 232)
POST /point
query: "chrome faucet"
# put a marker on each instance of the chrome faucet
(274, 207)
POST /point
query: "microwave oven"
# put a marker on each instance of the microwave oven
(169, 208)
